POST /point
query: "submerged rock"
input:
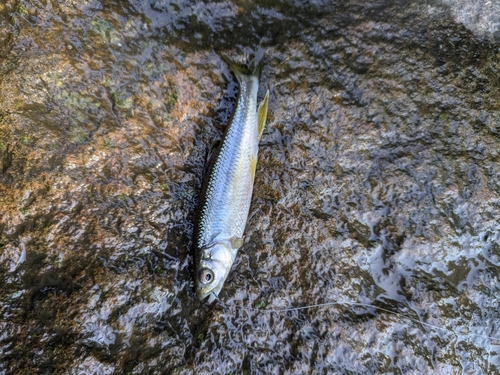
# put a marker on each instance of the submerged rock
(376, 189)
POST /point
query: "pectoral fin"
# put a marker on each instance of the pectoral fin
(236, 242)
(262, 114)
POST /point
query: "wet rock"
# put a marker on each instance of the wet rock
(5, 158)
(6, 31)
(26, 200)
(482, 17)
(376, 189)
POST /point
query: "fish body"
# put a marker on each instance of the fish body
(227, 189)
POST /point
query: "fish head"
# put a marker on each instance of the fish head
(212, 269)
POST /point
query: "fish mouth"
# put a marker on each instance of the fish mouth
(211, 297)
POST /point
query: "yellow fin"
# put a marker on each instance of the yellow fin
(253, 166)
(262, 114)
(236, 242)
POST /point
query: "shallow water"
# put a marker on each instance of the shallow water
(377, 183)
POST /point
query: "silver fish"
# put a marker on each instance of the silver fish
(227, 189)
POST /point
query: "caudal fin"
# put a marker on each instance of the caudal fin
(252, 68)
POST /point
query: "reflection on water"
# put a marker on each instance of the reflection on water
(377, 184)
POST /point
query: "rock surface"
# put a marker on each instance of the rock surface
(377, 188)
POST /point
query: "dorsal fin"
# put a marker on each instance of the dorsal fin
(262, 114)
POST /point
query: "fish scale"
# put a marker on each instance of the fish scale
(230, 188)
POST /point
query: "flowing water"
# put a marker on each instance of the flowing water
(377, 184)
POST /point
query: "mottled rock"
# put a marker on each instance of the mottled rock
(376, 193)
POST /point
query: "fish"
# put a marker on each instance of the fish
(226, 193)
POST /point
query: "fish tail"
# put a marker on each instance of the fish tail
(249, 69)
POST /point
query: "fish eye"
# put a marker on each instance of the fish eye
(206, 276)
